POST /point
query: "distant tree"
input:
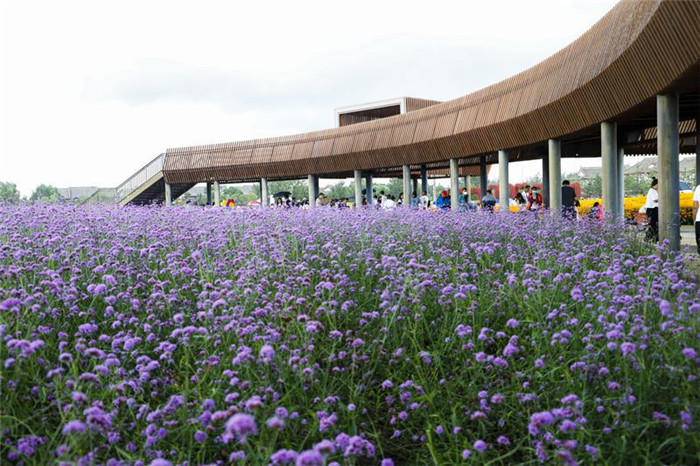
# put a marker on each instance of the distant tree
(636, 184)
(339, 191)
(231, 192)
(378, 188)
(395, 187)
(8, 192)
(298, 188)
(593, 187)
(45, 193)
(688, 176)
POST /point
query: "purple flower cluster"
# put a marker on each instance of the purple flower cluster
(295, 337)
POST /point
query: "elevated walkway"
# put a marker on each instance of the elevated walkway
(101, 196)
(146, 186)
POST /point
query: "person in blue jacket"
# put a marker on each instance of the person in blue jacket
(443, 201)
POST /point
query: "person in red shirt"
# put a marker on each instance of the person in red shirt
(534, 200)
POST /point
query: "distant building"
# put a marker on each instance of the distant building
(77, 192)
(588, 173)
(351, 115)
(648, 166)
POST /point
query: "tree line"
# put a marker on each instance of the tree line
(44, 192)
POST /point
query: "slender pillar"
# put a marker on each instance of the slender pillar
(168, 195)
(503, 189)
(358, 189)
(468, 184)
(208, 193)
(424, 179)
(406, 169)
(621, 183)
(217, 194)
(264, 192)
(668, 149)
(415, 187)
(483, 176)
(313, 191)
(369, 189)
(554, 154)
(454, 184)
(545, 180)
(317, 185)
(608, 152)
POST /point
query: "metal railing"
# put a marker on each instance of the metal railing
(102, 195)
(151, 169)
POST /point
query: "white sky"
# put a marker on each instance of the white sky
(90, 91)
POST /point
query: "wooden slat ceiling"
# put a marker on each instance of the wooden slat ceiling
(636, 51)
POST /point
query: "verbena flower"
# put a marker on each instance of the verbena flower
(241, 425)
(74, 427)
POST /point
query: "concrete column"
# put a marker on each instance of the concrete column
(468, 184)
(415, 187)
(483, 176)
(608, 152)
(313, 192)
(554, 154)
(668, 149)
(168, 195)
(369, 189)
(264, 192)
(406, 169)
(621, 183)
(358, 189)
(208, 193)
(545, 180)
(503, 189)
(217, 194)
(317, 185)
(454, 184)
(424, 180)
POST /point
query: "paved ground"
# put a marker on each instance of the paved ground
(689, 248)
(687, 235)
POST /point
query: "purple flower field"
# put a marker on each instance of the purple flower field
(207, 336)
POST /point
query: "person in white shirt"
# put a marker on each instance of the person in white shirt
(652, 210)
(389, 204)
(424, 200)
(696, 215)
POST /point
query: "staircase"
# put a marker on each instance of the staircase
(101, 196)
(146, 186)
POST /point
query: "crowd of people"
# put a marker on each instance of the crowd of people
(528, 199)
(382, 200)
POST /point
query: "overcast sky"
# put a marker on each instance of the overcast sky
(92, 90)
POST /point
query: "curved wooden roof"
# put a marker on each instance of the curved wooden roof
(637, 50)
